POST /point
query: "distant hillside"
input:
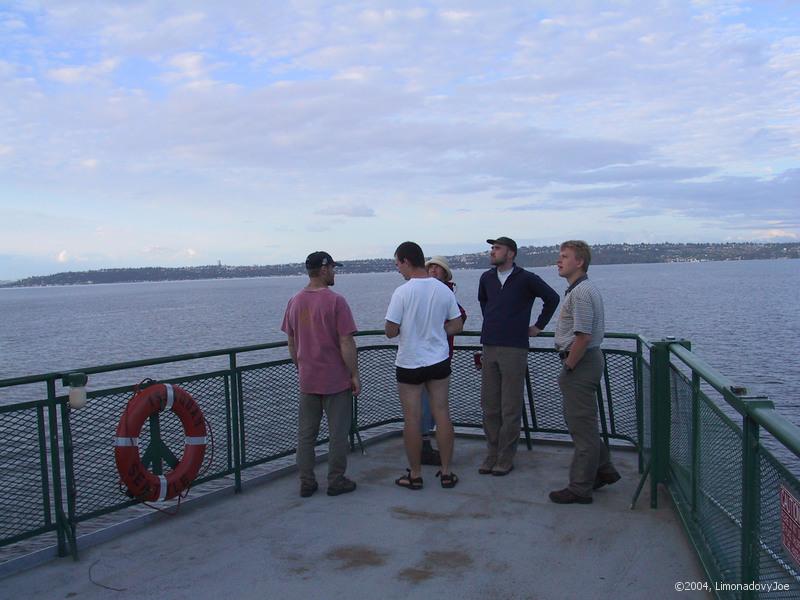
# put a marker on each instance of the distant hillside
(529, 256)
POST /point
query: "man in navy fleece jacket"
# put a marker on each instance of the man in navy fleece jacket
(506, 294)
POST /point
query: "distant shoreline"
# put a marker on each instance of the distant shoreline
(529, 256)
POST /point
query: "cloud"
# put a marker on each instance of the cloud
(456, 16)
(638, 172)
(776, 235)
(12, 24)
(391, 15)
(83, 73)
(357, 73)
(726, 198)
(168, 253)
(637, 213)
(190, 64)
(190, 67)
(7, 69)
(347, 211)
(158, 250)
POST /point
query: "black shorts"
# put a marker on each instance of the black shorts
(420, 375)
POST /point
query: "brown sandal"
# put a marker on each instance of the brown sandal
(448, 480)
(409, 482)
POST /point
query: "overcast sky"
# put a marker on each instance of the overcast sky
(250, 132)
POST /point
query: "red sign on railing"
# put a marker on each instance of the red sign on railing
(790, 523)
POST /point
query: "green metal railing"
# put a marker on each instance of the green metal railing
(727, 486)
(251, 410)
(659, 398)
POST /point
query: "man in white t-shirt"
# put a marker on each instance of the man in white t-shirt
(416, 314)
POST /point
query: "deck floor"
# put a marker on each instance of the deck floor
(490, 537)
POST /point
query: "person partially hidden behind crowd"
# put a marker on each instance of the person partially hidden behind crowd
(438, 268)
(422, 313)
(579, 333)
(320, 328)
(506, 294)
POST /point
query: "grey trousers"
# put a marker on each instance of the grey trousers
(578, 388)
(502, 386)
(338, 408)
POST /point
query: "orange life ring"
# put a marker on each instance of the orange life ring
(142, 483)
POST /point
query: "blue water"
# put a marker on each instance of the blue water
(742, 317)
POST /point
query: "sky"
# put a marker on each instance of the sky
(248, 132)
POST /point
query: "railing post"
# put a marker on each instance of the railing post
(529, 389)
(751, 503)
(69, 473)
(660, 413)
(601, 410)
(61, 525)
(609, 400)
(638, 378)
(525, 425)
(236, 426)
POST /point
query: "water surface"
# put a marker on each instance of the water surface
(742, 317)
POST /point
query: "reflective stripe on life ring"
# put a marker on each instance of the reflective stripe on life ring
(140, 482)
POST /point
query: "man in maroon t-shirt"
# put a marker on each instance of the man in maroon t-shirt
(320, 327)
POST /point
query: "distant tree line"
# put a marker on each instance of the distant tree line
(529, 256)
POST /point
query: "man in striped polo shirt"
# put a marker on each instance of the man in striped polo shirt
(579, 332)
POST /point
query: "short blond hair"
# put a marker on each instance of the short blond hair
(581, 250)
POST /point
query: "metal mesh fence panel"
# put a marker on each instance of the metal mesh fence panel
(681, 428)
(24, 479)
(719, 485)
(619, 388)
(719, 488)
(378, 402)
(211, 394)
(270, 403)
(269, 409)
(97, 486)
(465, 389)
(647, 411)
(544, 368)
(777, 519)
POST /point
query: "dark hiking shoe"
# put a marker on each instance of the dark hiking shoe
(567, 496)
(502, 470)
(308, 489)
(487, 465)
(603, 479)
(342, 485)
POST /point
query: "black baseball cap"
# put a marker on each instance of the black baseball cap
(504, 241)
(319, 259)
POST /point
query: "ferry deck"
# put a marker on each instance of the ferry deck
(489, 537)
